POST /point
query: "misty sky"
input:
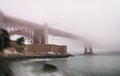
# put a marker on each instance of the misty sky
(98, 20)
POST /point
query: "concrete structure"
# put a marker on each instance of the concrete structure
(43, 50)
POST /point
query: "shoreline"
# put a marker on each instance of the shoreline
(17, 58)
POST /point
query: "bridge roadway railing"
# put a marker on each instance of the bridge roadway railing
(46, 49)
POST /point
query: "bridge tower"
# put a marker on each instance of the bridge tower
(88, 49)
(46, 33)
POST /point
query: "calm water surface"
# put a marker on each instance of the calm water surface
(94, 65)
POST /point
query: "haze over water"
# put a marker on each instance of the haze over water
(94, 65)
(80, 65)
(96, 20)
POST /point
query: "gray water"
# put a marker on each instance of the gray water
(94, 65)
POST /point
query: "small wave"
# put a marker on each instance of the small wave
(35, 60)
(52, 74)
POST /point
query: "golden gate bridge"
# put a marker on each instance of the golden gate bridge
(36, 33)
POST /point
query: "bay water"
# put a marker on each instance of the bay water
(82, 65)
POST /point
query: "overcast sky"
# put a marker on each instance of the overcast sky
(98, 20)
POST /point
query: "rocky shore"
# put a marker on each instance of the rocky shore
(15, 58)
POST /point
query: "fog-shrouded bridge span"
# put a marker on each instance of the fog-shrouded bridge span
(36, 33)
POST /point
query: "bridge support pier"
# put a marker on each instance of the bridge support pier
(36, 37)
(46, 33)
(88, 49)
(41, 36)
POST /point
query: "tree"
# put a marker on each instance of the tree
(4, 39)
(20, 44)
(20, 40)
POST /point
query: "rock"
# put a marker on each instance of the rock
(5, 69)
(49, 67)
